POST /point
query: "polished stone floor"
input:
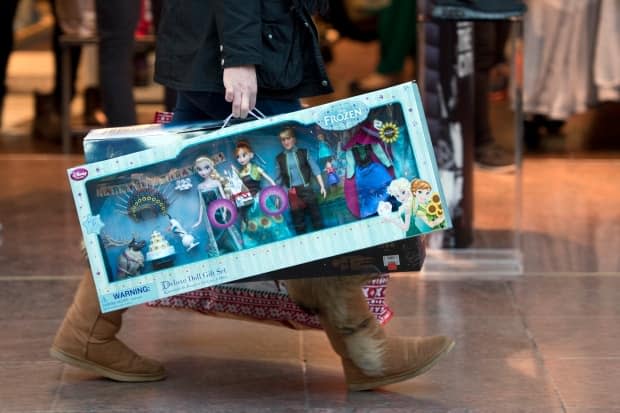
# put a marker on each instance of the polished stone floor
(542, 341)
(545, 340)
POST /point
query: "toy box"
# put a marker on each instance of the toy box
(404, 255)
(215, 206)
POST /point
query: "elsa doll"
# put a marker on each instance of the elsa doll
(400, 189)
(210, 189)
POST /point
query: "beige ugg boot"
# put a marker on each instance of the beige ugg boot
(370, 359)
(87, 339)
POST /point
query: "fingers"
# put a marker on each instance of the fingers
(241, 88)
(245, 105)
(230, 94)
(236, 103)
(242, 102)
(252, 104)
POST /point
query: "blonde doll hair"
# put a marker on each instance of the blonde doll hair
(289, 131)
(398, 185)
(214, 173)
(206, 159)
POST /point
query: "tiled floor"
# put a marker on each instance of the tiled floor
(543, 341)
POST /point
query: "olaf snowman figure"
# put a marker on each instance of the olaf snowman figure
(187, 239)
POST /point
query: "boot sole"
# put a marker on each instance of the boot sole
(103, 371)
(383, 381)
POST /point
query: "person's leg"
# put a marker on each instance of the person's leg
(502, 33)
(369, 357)
(116, 22)
(75, 53)
(484, 59)
(488, 154)
(188, 108)
(271, 107)
(397, 35)
(7, 15)
(46, 122)
(397, 39)
(87, 339)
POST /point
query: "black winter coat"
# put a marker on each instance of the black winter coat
(197, 39)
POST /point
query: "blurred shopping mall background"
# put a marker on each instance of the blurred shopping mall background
(536, 335)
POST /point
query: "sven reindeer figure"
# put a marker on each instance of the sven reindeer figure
(131, 261)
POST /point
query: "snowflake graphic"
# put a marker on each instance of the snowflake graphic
(93, 224)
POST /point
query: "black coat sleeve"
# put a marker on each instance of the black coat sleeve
(239, 30)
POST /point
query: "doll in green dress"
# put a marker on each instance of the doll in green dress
(429, 214)
(257, 226)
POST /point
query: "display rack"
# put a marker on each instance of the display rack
(493, 245)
